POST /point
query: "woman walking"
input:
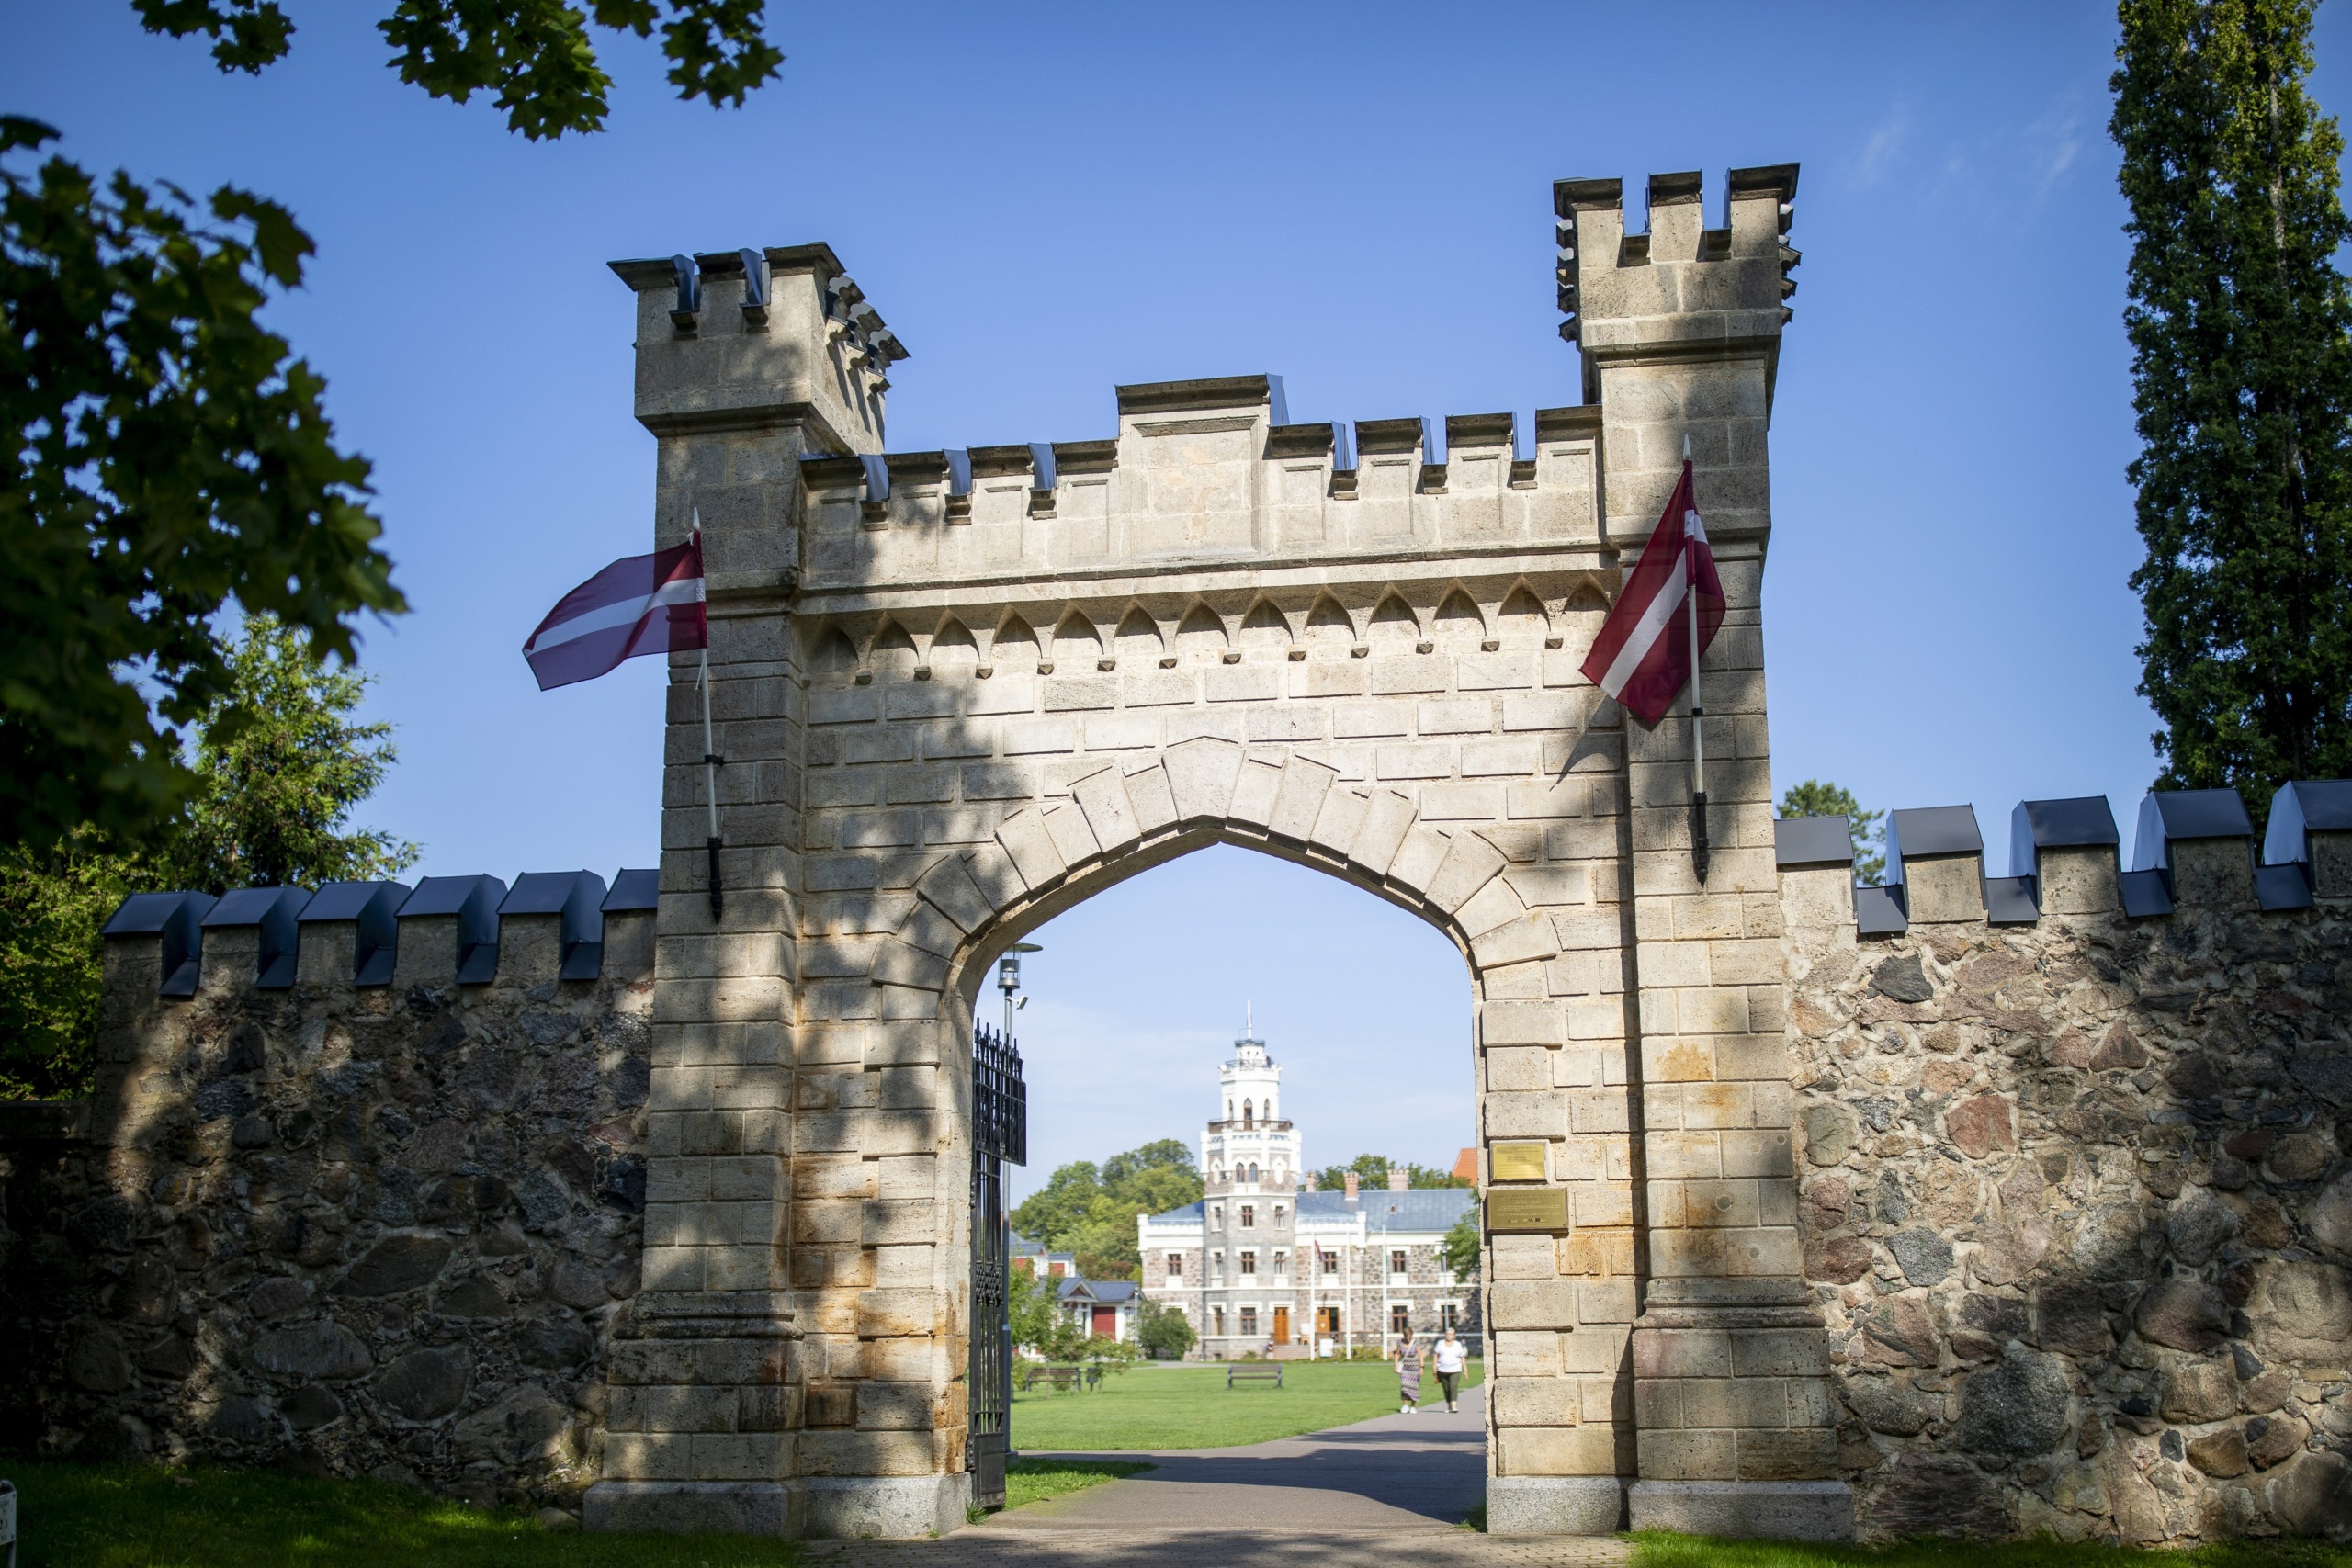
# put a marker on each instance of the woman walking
(1452, 1356)
(1409, 1374)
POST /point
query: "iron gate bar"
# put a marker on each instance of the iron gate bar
(999, 1136)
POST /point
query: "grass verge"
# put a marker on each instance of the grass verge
(137, 1515)
(1190, 1407)
(1028, 1481)
(1657, 1548)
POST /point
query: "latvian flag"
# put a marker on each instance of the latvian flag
(642, 604)
(1643, 655)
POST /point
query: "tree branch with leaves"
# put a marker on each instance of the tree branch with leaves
(536, 58)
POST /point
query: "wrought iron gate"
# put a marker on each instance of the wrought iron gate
(999, 1137)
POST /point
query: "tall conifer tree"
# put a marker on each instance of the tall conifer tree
(2241, 330)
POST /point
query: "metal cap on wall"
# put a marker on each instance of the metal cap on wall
(2038, 824)
(178, 918)
(578, 896)
(634, 889)
(1880, 911)
(276, 911)
(1929, 830)
(2012, 900)
(375, 906)
(1812, 841)
(2167, 815)
(2300, 809)
(474, 900)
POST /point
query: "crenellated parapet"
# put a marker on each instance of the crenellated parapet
(2194, 852)
(1204, 479)
(465, 931)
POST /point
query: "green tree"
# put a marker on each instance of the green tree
(1459, 1251)
(1089, 1210)
(1031, 1302)
(169, 458)
(1372, 1172)
(1815, 799)
(1164, 1331)
(278, 767)
(52, 904)
(1050, 1215)
(537, 56)
(2241, 331)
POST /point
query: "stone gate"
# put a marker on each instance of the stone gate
(1974, 1205)
(959, 692)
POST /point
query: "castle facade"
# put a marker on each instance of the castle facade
(1265, 1263)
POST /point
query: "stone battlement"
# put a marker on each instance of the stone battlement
(465, 931)
(2194, 851)
(1205, 476)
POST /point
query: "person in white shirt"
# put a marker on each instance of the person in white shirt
(1451, 1356)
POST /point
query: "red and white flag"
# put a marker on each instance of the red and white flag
(640, 605)
(1642, 657)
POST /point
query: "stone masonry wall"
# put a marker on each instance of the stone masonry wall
(367, 1232)
(2076, 1203)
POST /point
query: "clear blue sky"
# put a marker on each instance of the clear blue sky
(1046, 201)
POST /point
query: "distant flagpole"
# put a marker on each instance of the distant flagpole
(712, 760)
(1698, 710)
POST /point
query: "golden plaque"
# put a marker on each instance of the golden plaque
(1528, 1209)
(1517, 1162)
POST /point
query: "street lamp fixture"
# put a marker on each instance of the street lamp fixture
(1007, 980)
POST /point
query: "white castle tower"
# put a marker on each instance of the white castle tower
(1250, 1147)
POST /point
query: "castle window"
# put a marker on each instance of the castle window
(1217, 1315)
(1249, 1216)
(1396, 1263)
(1278, 1214)
(1246, 1117)
(1400, 1319)
(1330, 1264)
(1248, 1265)
(1175, 1265)
(1250, 1322)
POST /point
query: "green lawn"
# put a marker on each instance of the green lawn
(1654, 1549)
(1190, 1407)
(1028, 1481)
(123, 1515)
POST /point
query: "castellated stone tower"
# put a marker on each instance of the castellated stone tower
(1248, 1144)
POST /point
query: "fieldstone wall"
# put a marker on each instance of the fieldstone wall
(2075, 1205)
(377, 1232)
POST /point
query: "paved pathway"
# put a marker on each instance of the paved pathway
(1381, 1494)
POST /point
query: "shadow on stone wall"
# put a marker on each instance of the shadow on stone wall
(2076, 1202)
(363, 1231)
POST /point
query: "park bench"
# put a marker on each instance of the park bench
(1089, 1376)
(1236, 1373)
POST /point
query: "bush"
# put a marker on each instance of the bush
(1164, 1331)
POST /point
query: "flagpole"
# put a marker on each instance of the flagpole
(1699, 855)
(710, 756)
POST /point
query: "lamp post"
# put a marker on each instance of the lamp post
(1007, 980)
